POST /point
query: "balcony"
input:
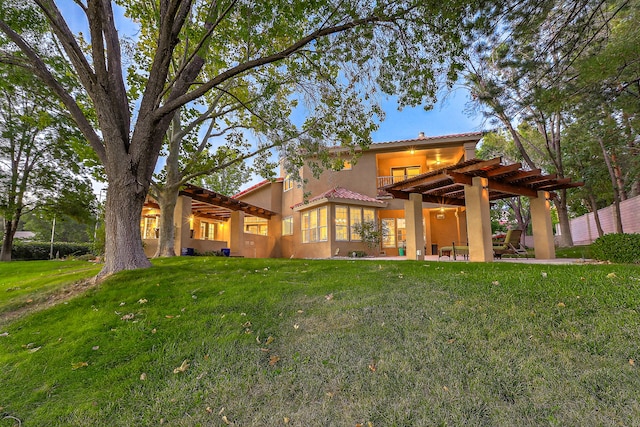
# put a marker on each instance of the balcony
(386, 180)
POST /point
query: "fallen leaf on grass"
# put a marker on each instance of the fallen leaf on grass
(269, 340)
(226, 420)
(143, 376)
(78, 365)
(561, 304)
(543, 274)
(4, 334)
(33, 350)
(142, 301)
(328, 297)
(208, 409)
(495, 283)
(128, 316)
(273, 360)
(183, 367)
(29, 301)
(372, 366)
(168, 316)
(296, 326)
(632, 362)
(95, 347)
(285, 420)
(611, 276)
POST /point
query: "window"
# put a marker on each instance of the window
(287, 226)
(355, 217)
(388, 232)
(342, 228)
(208, 230)
(288, 183)
(402, 230)
(314, 225)
(148, 226)
(346, 220)
(255, 225)
(400, 174)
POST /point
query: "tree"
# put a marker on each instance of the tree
(526, 73)
(38, 166)
(402, 48)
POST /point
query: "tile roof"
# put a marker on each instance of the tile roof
(432, 138)
(256, 186)
(342, 194)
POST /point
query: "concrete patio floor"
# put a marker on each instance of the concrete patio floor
(556, 261)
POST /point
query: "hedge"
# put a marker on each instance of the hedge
(621, 248)
(28, 251)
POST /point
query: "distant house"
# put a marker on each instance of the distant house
(24, 235)
(428, 192)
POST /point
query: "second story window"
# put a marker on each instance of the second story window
(400, 174)
(288, 183)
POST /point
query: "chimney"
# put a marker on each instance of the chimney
(421, 135)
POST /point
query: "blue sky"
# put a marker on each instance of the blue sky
(447, 117)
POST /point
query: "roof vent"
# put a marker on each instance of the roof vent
(421, 135)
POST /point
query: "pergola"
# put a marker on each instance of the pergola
(210, 204)
(474, 184)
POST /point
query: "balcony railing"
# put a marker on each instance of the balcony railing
(386, 180)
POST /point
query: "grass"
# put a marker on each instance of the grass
(26, 284)
(331, 343)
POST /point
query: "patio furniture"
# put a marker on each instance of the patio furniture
(453, 251)
(510, 245)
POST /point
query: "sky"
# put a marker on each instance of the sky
(447, 117)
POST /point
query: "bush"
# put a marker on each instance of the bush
(29, 251)
(622, 248)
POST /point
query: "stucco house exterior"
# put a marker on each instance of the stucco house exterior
(321, 225)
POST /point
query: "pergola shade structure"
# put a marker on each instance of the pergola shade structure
(209, 204)
(474, 184)
(446, 186)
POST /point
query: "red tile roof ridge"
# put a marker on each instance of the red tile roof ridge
(342, 193)
(427, 138)
(256, 186)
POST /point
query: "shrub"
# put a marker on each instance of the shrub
(622, 248)
(28, 251)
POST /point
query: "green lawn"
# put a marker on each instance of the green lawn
(257, 342)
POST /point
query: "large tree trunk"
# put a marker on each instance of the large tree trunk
(614, 185)
(566, 239)
(123, 241)
(596, 217)
(167, 198)
(7, 242)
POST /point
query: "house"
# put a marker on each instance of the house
(427, 193)
(322, 225)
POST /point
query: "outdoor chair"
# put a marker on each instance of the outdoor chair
(510, 245)
(454, 251)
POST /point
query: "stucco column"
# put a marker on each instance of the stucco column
(542, 228)
(413, 222)
(182, 222)
(236, 233)
(478, 220)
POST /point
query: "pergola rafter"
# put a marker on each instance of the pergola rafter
(446, 186)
